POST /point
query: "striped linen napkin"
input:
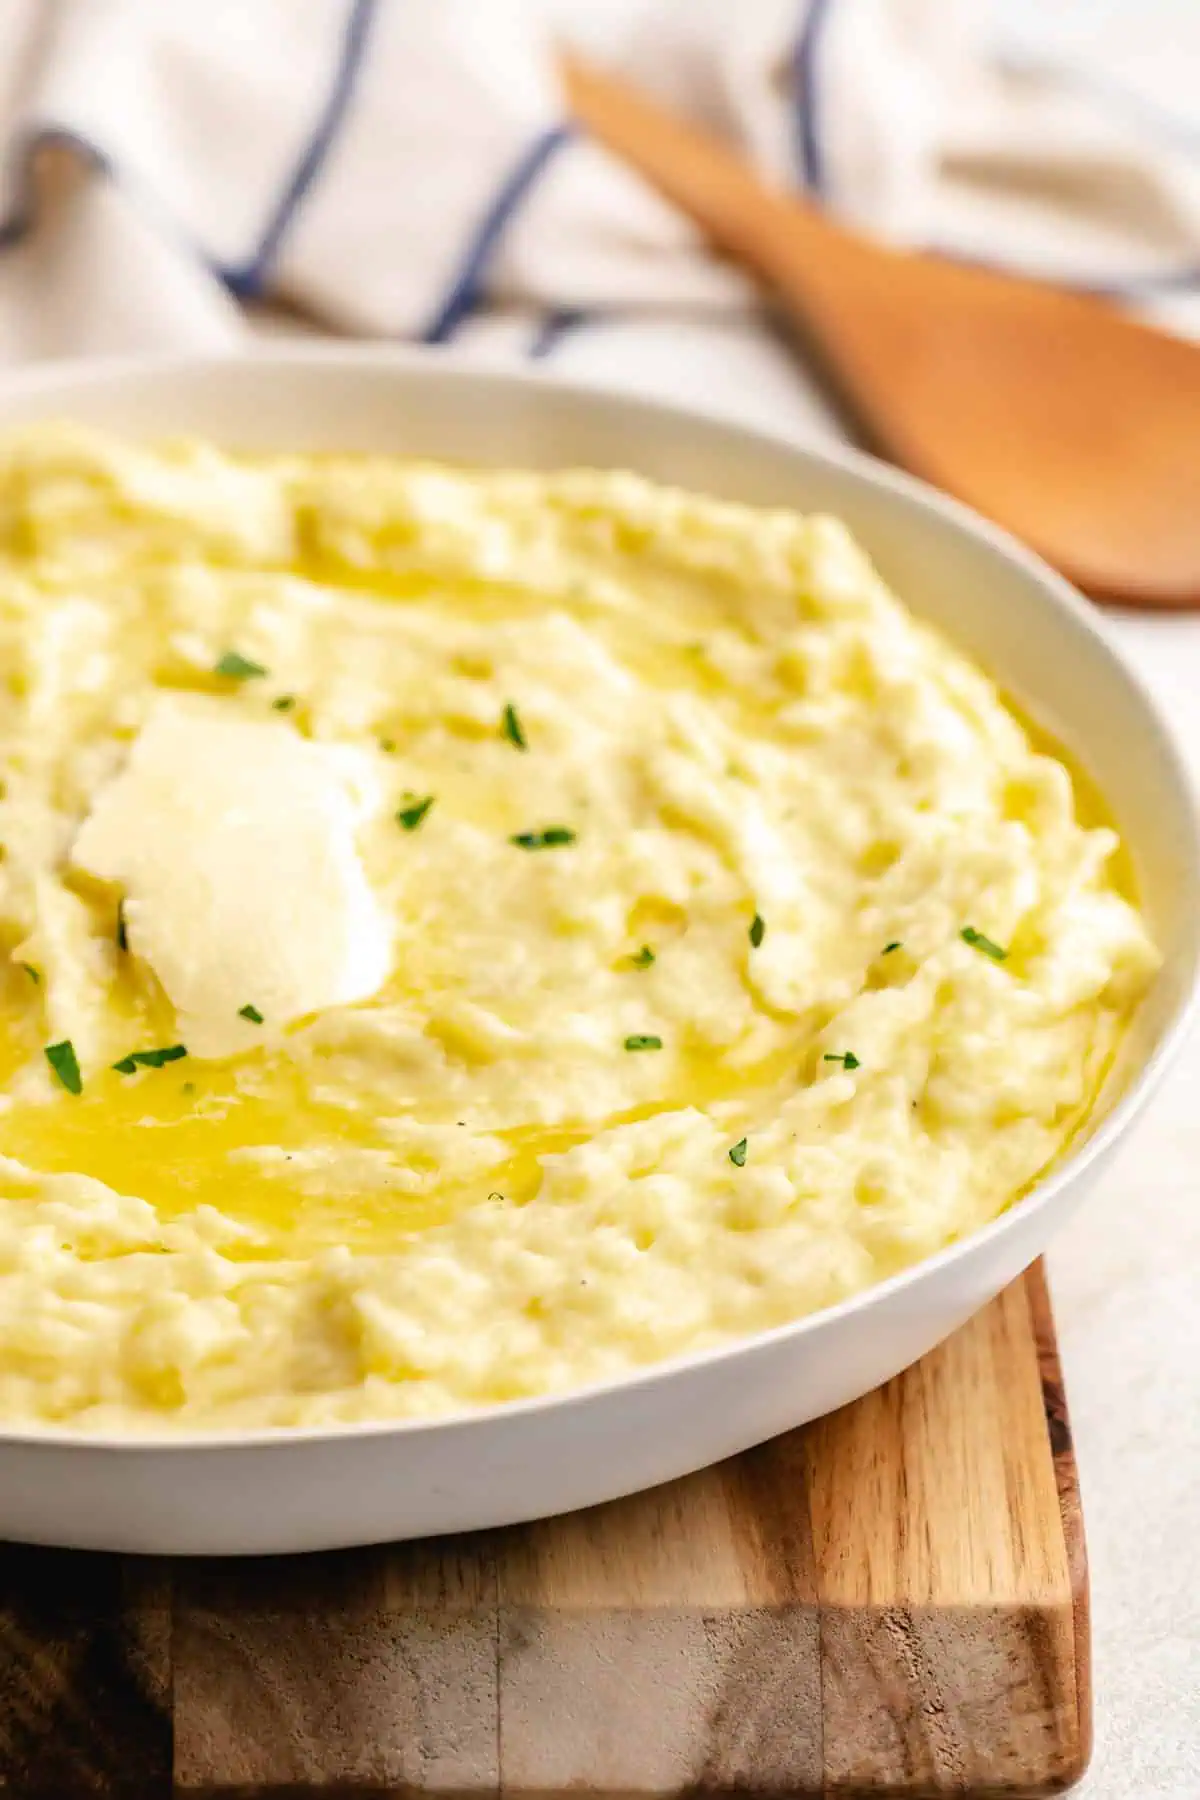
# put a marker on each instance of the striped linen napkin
(175, 172)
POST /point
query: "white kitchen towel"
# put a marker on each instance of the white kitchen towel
(171, 168)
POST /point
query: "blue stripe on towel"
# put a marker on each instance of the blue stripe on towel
(467, 287)
(247, 281)
(810, 157)
(553, 327)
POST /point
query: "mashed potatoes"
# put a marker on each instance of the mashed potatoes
(738, 947)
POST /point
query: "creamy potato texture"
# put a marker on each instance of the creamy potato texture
(742, 948)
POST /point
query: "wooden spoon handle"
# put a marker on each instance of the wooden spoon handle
(779, 238)
(1051, 413)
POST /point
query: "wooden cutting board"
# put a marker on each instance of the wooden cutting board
(890, 1602)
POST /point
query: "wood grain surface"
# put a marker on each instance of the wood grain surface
(892, 1601)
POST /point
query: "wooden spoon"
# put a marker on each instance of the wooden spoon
(1054, 414)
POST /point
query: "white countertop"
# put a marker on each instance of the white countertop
(1126, 1273)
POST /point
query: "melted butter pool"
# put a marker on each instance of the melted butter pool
(188, 1134)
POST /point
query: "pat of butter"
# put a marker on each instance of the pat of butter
(234, 841)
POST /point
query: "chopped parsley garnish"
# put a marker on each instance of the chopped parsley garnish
(237, 667)
(35, 975)
(847, 1058)
(641, 1041)
(65, 1063)
(758, 930)
(510, 726)
(283, 703)
(737, 1154)
(641, 959)
(896, 944)
(410, 816)
(250, 1012)
(549, 839)
(977, 941)
(148, 1059)
(122, 934)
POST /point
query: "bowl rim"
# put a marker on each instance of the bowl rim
(458, 367)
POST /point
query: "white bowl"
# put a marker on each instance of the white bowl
(311, 1489)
